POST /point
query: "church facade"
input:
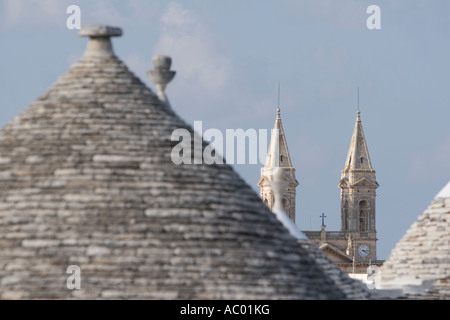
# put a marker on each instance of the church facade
(354, 247)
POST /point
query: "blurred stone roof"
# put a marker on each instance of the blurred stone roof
(86, 179)
(419, 265)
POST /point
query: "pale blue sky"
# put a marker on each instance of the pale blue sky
(229, 56)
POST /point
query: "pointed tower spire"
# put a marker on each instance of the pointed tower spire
(358, 154)
(278, 157)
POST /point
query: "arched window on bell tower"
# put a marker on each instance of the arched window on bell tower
(363, 214)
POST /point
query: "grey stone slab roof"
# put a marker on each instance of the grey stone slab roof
(86, 179)
(419, 265)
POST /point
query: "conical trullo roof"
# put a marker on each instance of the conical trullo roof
(87, 180)
(419, 265)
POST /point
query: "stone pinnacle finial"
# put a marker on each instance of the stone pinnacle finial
(161, 75)
(100, 43)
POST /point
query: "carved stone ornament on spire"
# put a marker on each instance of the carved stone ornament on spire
(161, 75)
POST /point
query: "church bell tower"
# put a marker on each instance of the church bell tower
(358, 194)
(278, 156)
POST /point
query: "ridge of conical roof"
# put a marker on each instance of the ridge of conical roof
(86, 179)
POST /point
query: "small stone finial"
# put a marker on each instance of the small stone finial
(358, 113)
(161, 75)
(278, 113)
(100, 43)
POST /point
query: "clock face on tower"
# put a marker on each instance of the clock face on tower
(363, 250)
